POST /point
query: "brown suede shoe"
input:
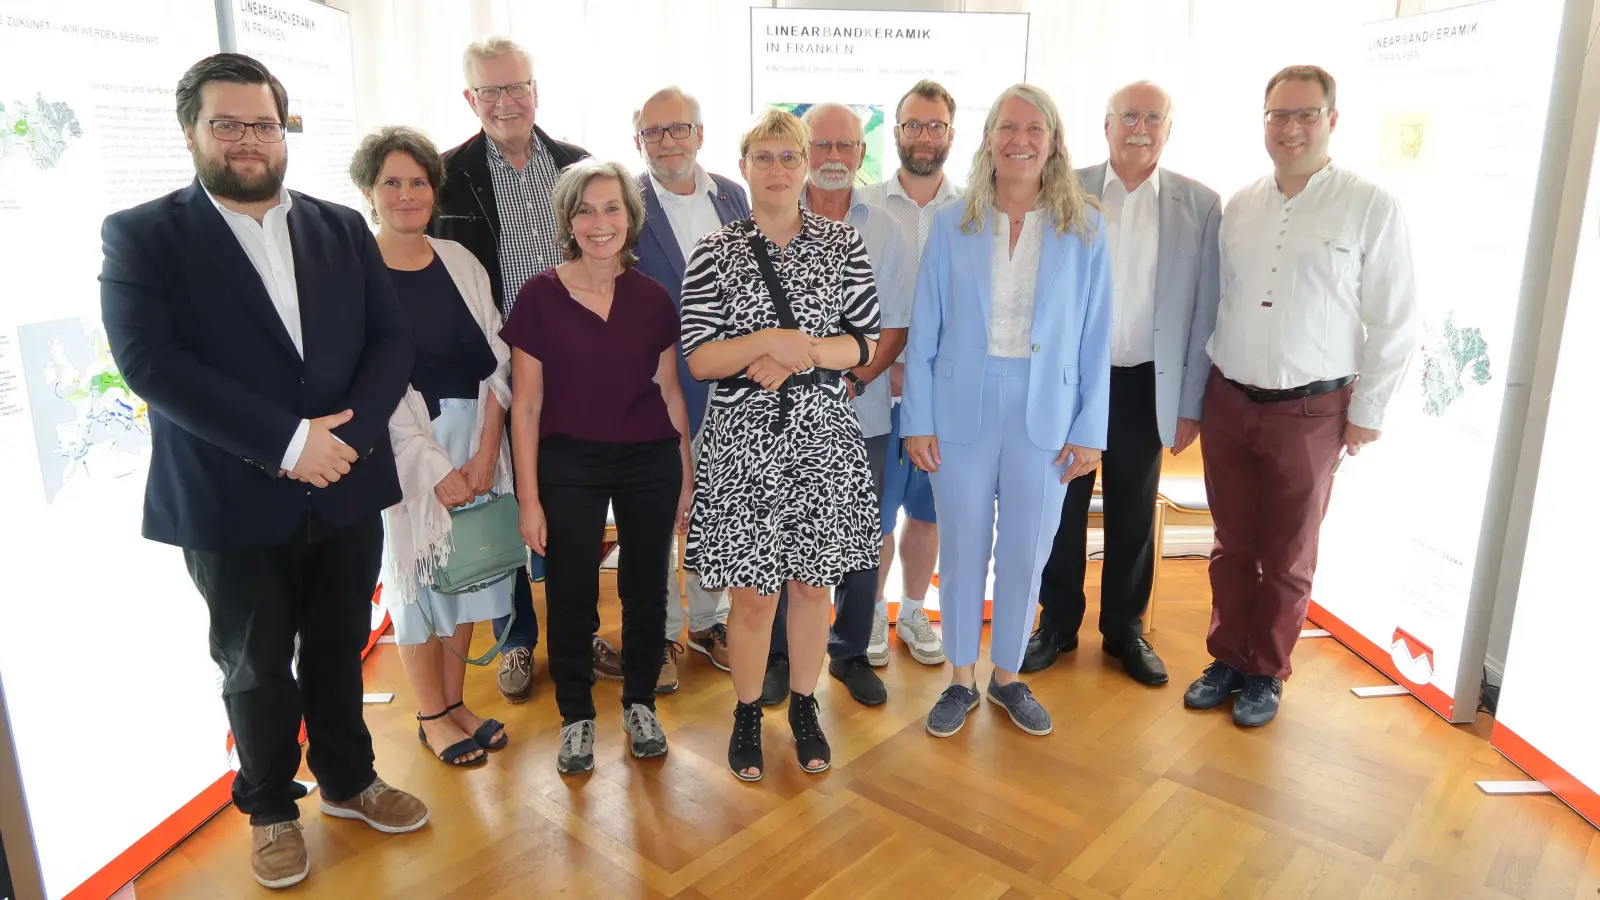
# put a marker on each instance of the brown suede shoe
(516, 675)
(667, 681)
(713, 642)
(607, 661)
(384, 808)
(278, 855)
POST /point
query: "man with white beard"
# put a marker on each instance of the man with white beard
(838, 147)
(1162, 233)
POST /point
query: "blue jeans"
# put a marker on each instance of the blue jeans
(525, 630)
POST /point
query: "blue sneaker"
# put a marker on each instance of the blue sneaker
(1258, 705)
(1018, 702)
(950, 713)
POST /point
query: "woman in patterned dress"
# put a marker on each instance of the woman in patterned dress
(783, 492)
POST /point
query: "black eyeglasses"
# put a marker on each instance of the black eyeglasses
(934, 129)
(229, 130)
(491, 93)
(845, 147)
(789, 159)
(1310, 115)
(1131, 119)
(678, 130)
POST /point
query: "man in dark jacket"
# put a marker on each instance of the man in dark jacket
(496, 201)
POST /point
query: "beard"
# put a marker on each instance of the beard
(832, 177)
(667, 175)
(222, 181)
(920, 168)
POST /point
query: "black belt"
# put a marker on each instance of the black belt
(1258, 395)
(813, 378)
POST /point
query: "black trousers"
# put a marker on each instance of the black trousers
(855, 599)
(317, 590)
(577, 479)
(1130, 478)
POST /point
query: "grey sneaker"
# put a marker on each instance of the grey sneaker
(1258, 705)
(639, 721)
(577, 748)
(950, 713)
(1018, 702)
(919, 637)
(878, 644)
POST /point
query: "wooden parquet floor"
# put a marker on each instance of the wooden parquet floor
(1133, 797)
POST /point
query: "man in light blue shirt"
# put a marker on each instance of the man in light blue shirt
(837, 149)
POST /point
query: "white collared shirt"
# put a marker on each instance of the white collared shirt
(1133, 237)
(1013, 279)
(267, 244)
(1317, 287)
(692, 217)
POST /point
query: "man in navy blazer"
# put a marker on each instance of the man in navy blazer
(683, 203)
(261, 327)
(1162, 229)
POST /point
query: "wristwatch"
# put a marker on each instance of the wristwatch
(856, 383)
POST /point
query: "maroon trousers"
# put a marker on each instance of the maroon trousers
(1269, 472)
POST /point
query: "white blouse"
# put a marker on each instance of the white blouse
(1013, 279)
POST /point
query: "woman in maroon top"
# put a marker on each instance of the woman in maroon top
(597, 418)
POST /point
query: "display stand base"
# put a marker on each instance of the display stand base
(1511, 788)
(1381, 690)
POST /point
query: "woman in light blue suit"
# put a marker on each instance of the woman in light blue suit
(1007, 382)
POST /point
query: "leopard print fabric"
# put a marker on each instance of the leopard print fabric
(799, 504)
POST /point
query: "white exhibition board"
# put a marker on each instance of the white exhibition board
(102, 635)
(1453, 124)
(868, 60)
(1545, 721)
(307, 46)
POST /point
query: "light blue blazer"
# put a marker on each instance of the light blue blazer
(1069, 373)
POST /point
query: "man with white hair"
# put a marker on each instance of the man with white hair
(1162, 233)
(683, 203)
(496, 201)
(838, 147)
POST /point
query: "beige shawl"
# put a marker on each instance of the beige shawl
(418, 527)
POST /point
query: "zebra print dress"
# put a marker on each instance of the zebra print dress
(799, 504)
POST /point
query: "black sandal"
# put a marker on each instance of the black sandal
(485, 731)
(744, 747)
(809, 742)
(452, 755)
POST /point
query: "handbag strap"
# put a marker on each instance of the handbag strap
(499, 643)
(769, 274)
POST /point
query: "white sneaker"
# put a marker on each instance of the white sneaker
(918, 635)
(878, 646)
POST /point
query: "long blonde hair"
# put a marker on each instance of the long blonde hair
(1060, 194)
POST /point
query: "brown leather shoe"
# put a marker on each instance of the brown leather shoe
(384, 808)
(667, 681)
(607, 661)
(516, 675)
(278, 855)
(713, 642)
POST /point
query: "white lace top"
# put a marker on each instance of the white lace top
(1013, 280)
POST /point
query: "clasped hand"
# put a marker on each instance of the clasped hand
(324, 459)
(789, 352)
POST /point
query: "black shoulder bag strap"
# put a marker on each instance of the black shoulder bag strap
(786, 319)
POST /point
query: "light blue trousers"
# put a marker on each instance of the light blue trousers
(1002, 463)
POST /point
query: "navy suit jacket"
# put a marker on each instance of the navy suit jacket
(197, 337)
(660, 258)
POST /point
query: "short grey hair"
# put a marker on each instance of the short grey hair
(569, 190)
(367, 164)
(1111, 102)
(820, 108)
(491, 48)
(669, 91)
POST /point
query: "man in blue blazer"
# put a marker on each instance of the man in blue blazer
(1162, 232)
(683, 203)
(261, 327)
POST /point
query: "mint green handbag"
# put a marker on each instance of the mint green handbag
(488, 546)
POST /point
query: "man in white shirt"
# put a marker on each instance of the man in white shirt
(924, 128)
(683, 203)
(1162, 233)
(1317, 324)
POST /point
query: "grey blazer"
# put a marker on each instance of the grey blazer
(1188, 289)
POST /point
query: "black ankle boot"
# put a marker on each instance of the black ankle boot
(744, 746)
(809, 742)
